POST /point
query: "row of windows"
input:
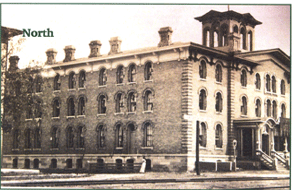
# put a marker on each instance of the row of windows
(148, 96)
(271, 108)
(102, 79)
(217, 36)
(203, 101)
(203, 135)
(270, 82)
(79, 164)
(120, 104)
(75, 137)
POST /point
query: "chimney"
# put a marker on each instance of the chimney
(95, 48)
(13, 63)
(70, 53)
(51, 56)
(165, 36)
(233, 42)
(115, 43)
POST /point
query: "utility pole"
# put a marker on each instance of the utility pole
(197, 164)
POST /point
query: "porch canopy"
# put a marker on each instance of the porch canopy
(282, 123)
(285, 127)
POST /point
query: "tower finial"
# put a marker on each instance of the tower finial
(227, 7)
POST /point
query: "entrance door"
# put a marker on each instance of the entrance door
(131, 139)
(265, 143)
(247, 142)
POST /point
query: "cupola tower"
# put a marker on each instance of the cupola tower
(228, 31)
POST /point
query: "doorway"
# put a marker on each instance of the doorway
(247, 142)
(265, 143)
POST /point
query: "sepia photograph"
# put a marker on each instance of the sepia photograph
(145, 96)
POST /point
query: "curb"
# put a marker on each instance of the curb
(98, 182)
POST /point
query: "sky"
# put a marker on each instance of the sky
(137, 25)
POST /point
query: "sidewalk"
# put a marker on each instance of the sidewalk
(148, 177)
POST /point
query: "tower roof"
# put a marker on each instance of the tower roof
(247, 18)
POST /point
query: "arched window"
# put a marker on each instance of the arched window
(29, 108)
(283, 111)
(39, 83)
(244, 106)
(69, 163)
(18, 88)
(203, 135)
(100, 136)
(30, 85)
(14, 163)
(56, 108)
(27, 163)
(37, 138)
(202, 100)
(71, 107)
(53, 163)
(267, 82)
(119, 135)
(148, 135)
(148, 100)
(274, 84)
(36, 163)
(257, 81)
(72, 80)
(206, 37)
(215, 38)
(131, 73)
(268, 108)
(250, 41)
(38, 109)
(100, 164)
(235, 29)
(218, 104)
(54, 137)
(28, 138)
(119, 102)
(56, 83)
(81, 105)
(70, 137)
(203, 70)
(218, 136)
(16, 136)
(102, 77)
(243, 38)
(218, 73)
(119, 164)
(224, 33)
(131, 103)
(120, 75)
(82, 79)
(283, 87)
(148, 70)
(80, 136)
(102, 108)
(79, 163)
(258, 108)
(274, 109)
(244, 78)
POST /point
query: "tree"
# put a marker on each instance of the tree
(20, 94)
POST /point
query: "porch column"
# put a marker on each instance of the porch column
(273, 142)
(258, 139)
(286, 145)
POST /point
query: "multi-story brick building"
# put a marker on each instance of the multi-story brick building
(144, 103)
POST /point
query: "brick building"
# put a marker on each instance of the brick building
(144, 103)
